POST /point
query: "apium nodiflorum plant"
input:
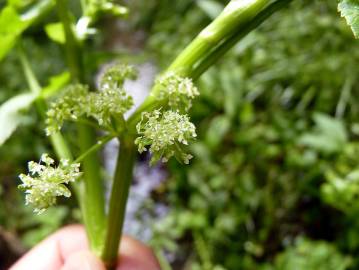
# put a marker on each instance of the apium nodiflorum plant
(160, 125)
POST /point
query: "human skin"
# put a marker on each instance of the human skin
(67, 249)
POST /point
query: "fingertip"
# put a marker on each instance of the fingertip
(134, 255)
(71, 239)
(83, 260)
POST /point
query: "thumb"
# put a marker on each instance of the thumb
(82, 260)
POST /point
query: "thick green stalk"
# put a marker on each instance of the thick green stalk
(236, 20)
(119, 193)
(237, 14)
(218, 51)
(236, 17)
(93, 195)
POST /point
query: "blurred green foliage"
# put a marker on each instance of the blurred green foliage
(306, 254)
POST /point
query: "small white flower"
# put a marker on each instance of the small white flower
(44, 182)
(165, 134)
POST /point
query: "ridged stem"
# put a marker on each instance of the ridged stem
(92, 196)
(118, 200)
(235, 17)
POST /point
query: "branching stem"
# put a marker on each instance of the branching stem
(92, 196)
(100, 143)
(235, 18)
(59, 143)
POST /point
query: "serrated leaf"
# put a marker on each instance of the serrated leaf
(10, 114)
(349, 9)
(11, 26)
(55, 32)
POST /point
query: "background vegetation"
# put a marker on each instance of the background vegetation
(275, 179)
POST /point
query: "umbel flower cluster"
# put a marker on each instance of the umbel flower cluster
(105, 105)
(45, 182)
(166, 133)
(177, 91)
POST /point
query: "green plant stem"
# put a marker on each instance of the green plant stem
(83, 6)
(94, 148)
(58, 142)
(93, 196)
(119, 193)
(236, 20)
(73, 52)
(37, 11)
(217, 52)
(236, 17)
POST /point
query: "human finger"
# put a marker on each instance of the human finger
(84, 260)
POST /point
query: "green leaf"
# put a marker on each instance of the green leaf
(210, 7)
(349, 9)
(10, 114)
(328, 137)
(56, 83)
(55, 32)
(11, 26)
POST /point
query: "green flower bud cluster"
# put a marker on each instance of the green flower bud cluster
(45, 182)
(165, 134)
(179, 91)
(111, 101)
(66, 108)
(115, 75)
